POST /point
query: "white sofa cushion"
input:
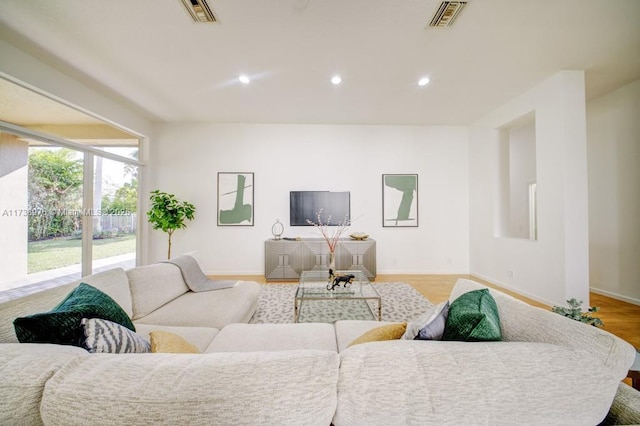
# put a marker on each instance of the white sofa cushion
(208, 308)
(625, 409)
(25, 368)
(153, 286)
(251, 388)
(274, 337)
(113, 282)
(471, 383)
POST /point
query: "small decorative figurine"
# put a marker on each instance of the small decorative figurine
(277, 229)
(346, 280)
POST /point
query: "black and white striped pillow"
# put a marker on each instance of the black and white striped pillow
(102, 336)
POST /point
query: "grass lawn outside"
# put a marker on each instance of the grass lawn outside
(59, 252)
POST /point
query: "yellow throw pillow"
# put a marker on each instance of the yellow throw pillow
(384, 332)
(165, 342)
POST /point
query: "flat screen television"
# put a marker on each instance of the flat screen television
(334, 207)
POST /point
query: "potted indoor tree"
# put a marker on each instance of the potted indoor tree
(167, 213)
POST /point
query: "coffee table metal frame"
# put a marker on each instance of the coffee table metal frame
(313, 286)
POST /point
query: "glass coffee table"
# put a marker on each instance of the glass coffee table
(313, 302)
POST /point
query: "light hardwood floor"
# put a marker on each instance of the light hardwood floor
(620, 318)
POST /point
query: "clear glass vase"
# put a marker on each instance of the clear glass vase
(332, 265)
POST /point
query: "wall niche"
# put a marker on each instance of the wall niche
(517, 179)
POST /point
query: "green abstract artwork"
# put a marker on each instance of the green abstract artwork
(399, 200)
(235, 199)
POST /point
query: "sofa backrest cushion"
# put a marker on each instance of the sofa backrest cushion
(208, 308)
(274, 337)
(436, 382)
(25, 368)
(270, 388)
(112, 282)
(153, 286)
(520, 321)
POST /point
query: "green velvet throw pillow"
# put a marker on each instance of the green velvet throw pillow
(473, 317)
(61, 325)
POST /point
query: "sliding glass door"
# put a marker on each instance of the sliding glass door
(54, 213)
(66, 209)
(115, 218)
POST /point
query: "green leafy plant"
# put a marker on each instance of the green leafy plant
(167, 213)
(574, 311)
(55, 187)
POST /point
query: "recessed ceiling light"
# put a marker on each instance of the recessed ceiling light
(423, 81)
(336, 79)
(244, 79)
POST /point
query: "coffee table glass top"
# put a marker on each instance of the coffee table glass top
(315, 303)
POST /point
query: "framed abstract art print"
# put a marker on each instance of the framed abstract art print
(235, 199)
(399, 200)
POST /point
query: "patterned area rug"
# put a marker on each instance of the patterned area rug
(400, 302)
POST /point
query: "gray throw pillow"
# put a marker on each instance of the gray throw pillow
(103, 336)
(434, 329)
(414, 327)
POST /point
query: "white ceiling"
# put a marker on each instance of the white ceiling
(25, 107)
(151, 55)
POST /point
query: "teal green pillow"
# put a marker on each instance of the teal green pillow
(61, 325)
(473, 317)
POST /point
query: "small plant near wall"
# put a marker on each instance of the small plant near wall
(167, 213)
(575, 313)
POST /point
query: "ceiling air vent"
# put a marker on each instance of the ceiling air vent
(199, 10)
(447, 13)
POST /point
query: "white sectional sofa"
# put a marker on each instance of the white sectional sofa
(288, 374)
(155, 297)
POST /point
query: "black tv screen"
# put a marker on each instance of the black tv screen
(334, 207)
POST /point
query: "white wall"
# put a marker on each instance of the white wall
(13, 208)
(522, 173)
(555, 267)
(613, 135)
(185, 160)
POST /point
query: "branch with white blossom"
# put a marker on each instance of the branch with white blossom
(331, 238)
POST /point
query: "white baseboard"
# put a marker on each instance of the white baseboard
(231, 274)
(423, 272)
(404, 272)
(615, 295)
